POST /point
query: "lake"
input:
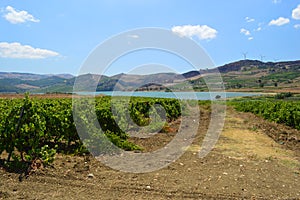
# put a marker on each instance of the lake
(177, 95)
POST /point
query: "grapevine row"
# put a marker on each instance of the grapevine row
(285, 112)
(38, 128)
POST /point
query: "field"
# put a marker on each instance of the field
(255, 158)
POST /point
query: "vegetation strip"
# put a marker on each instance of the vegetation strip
(35, 128)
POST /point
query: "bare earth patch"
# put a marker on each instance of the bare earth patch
(244, 141)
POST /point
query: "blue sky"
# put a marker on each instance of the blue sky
(57, 36)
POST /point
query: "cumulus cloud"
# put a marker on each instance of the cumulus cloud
(245, 32)
(17, 50)
(279, 22)
(248, 19)
(296, 13)
(203, 32)
(15, 17)
(297, 26)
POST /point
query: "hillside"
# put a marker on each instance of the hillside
(257, 74)
(239, 75)
(30, 76)
(244, 65)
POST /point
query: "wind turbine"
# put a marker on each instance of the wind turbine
(245, 55)
(262, 57)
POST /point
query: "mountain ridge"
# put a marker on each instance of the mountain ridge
(242, 73)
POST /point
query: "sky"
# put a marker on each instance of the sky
(55, 36)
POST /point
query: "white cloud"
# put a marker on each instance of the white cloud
(296, 13)
(258, 29)
(17, 50)
(15, 17)
(202, 32)
(245, 32)
(248, 19)
(276, 1)
(279, 22)
(297, 26)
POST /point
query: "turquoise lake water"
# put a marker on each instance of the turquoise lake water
(177, 95)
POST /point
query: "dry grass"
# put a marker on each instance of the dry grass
(241, 141)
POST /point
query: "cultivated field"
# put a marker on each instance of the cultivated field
(246, 163)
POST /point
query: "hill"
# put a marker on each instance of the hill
(244, 65)
(257, 74)
(243, 74)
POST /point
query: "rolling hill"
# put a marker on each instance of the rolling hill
(243, 74)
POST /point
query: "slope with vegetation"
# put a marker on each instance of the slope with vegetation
(240, 75)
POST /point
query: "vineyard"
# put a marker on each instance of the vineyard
(284, 112)
(254, 158)
(34, 128)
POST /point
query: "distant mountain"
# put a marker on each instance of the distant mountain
(21, 76)
(65, 76)
(30, 76)
(239, 74)
(22, 82)
(191, 74)
(261, 75)
(255, 64)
